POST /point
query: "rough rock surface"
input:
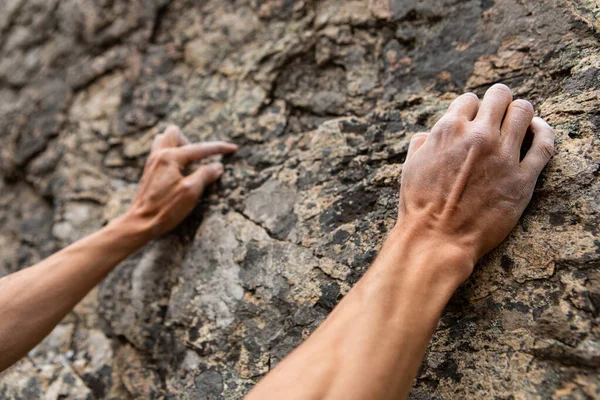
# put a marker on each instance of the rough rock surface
(323, 97)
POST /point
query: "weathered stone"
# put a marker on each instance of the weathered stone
(272, 205)
(323, 97)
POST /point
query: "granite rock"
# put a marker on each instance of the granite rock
(323, 97)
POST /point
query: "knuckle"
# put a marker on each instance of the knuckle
(472, 95)
(449, 124)
(523, 105)
(188, 190)
(546, 149)
(172, 128)
(479, 139)
(501, 89)
(544, 128)
(506, 156)
(161, 156)
(524, 187)
(484, 135)
(520, 188)
(418, 136)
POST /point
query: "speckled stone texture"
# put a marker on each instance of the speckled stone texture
(323, 97)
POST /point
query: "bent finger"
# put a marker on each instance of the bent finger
(171, 137)
(415, 143)
(197, 151)
(204, 176)
(542, 148)
(517, 120)
(465, 105)
(493, 107)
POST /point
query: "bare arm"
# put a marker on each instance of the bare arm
(34, 300)
(463, 190)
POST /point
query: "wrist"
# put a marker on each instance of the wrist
(426, 259)
(133, 227)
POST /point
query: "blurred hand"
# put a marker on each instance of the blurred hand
(165, 196)
(463, 184)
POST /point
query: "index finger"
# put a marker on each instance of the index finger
(197, 151)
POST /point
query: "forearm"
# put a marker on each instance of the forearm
(372, 344)
(34, 300)
(457, 190)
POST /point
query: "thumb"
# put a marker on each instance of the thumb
(205, 175)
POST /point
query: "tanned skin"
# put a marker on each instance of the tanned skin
(34, 300)
(463, 189)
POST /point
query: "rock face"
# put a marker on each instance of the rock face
(323, 97)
